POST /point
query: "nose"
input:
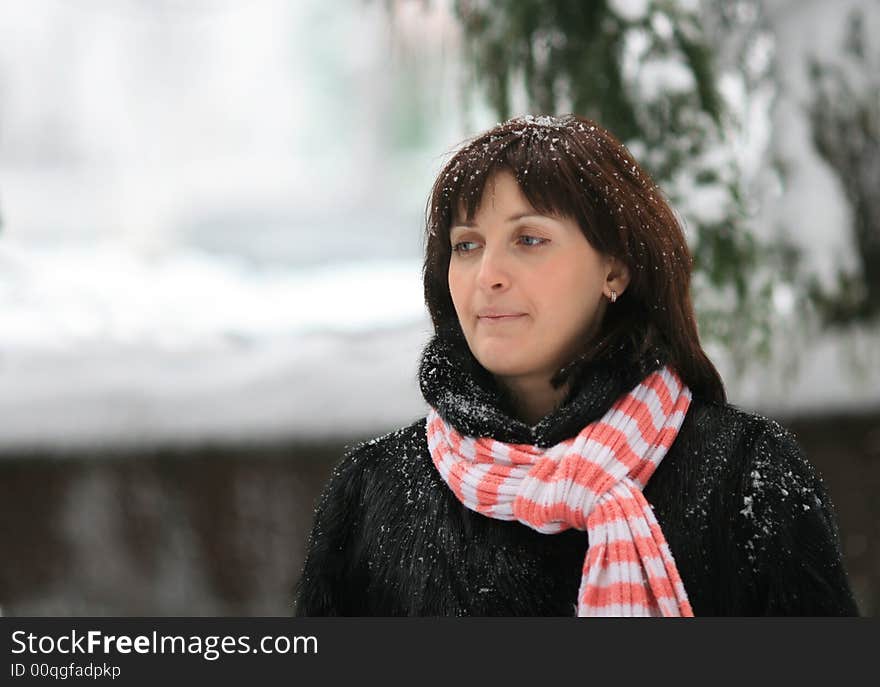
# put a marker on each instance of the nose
(494, 272)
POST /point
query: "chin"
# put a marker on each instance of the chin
(514, 361)
(501, 363)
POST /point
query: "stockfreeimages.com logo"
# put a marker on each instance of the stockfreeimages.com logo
(210, 648)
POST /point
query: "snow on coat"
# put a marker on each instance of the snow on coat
(746, 516)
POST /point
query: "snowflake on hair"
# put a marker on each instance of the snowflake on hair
(549, 121)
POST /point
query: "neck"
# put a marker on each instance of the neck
(533, 398)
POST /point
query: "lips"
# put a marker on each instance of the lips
(497, 317)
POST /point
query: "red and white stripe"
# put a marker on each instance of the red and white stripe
(593, 482)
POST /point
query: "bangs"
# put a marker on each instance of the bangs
(551, 163)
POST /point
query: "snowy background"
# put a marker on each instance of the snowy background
(207, 204)
(212, 230)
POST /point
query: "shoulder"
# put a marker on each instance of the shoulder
(778, 501)
(751, 442)
(363, 475)
(371, 453)
(767, 453)
(371, 458)
(728, 432)
(758, 464)
(778, 475)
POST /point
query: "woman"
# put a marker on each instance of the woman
(578, 456)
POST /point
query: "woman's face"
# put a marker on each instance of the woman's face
(528, 288)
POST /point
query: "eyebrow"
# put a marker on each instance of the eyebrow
(512, 218)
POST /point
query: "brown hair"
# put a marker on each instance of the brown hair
(572, 167)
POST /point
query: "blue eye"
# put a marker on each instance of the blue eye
(538, 241)
(457, 248)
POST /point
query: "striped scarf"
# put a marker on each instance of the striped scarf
(593, 482)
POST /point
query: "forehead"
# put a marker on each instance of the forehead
(500, 191)
(548, 165)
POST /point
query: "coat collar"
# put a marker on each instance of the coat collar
(465, 394)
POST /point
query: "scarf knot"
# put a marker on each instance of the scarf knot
(593, 482)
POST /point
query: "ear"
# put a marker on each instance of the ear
(616, 276)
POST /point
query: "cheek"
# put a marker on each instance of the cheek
(569, 297)
(457, 287)
(562, 285)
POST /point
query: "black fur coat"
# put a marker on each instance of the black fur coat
(748, 520)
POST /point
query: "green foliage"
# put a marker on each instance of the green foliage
(845, 120)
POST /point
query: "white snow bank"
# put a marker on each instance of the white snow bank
(101, 346)
(311, 386)
(83, 296)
